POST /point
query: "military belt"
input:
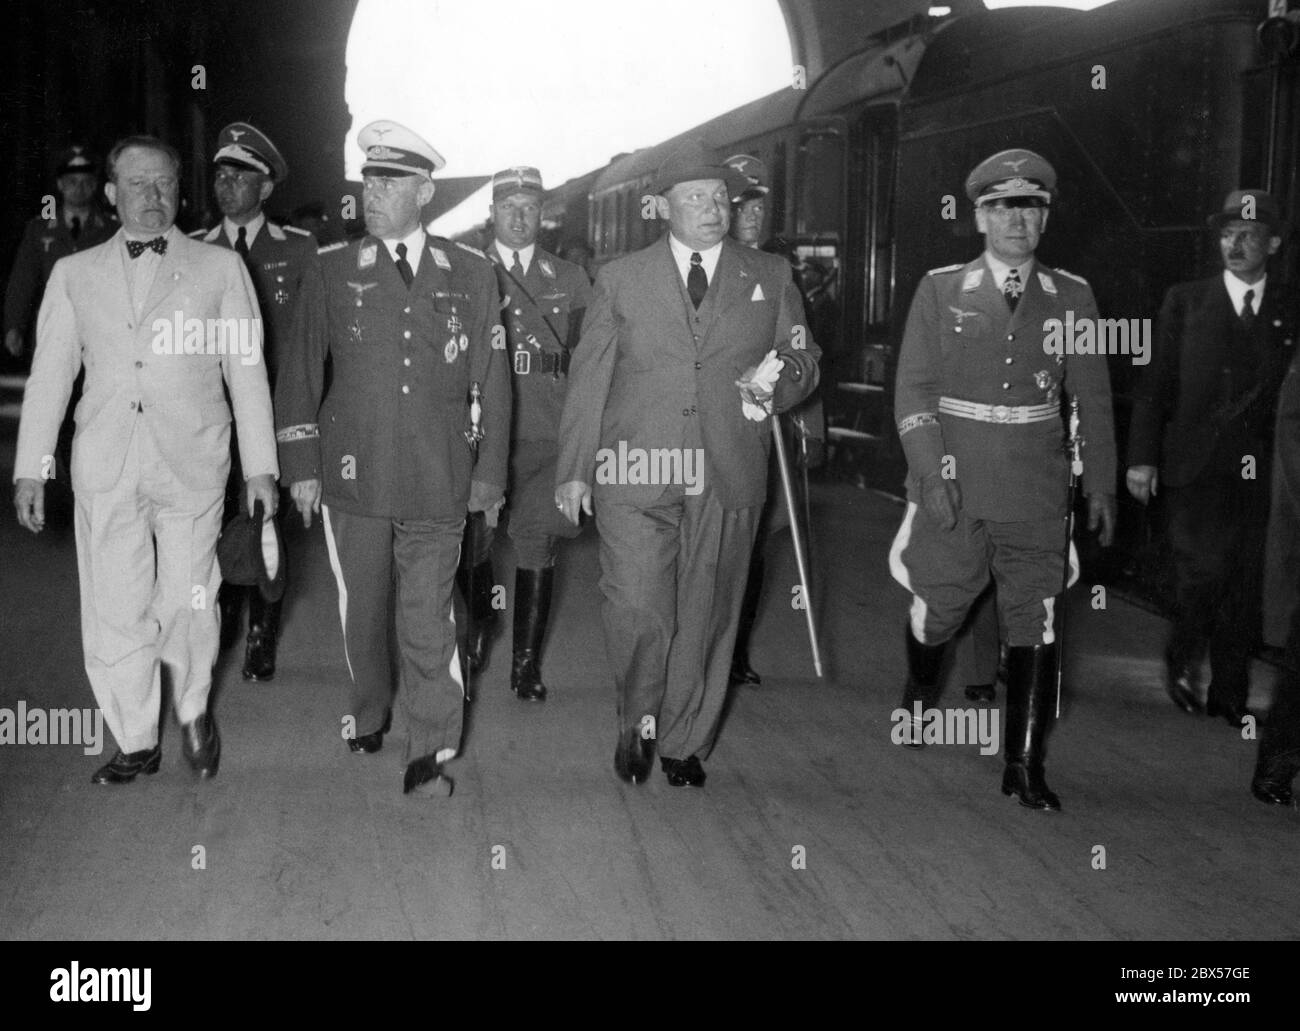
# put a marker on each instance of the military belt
(544, 363)
(1009, 414)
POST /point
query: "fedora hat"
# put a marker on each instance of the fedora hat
(693, 160)
(1238, 205)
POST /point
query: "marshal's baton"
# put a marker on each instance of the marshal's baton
(783, 464)
(1074, 452)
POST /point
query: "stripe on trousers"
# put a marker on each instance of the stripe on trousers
(343, 587)
(918, 610)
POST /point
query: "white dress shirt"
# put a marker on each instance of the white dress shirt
(508, 255)
(414, 245)
(1001, 270)
(250, 229)
(1237, 291)
(682, 255)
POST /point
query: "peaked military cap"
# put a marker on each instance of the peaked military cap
(244, 146)
(520, 179)
(76, 158)
(250, 552)
(754, 170)
(393, 149)
(1012, 173)
(1247, 205)
(692, 160)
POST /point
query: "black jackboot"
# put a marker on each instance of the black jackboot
(1031, 696)
(230, 603)
(532, 609)
(263, 628)
(476, 587)
(923, 664)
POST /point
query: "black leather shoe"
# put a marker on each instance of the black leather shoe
(124, 767)
(259, 656)
(743, 673)
(981, 692)
(229, 603)
(683, 773)
(1027, 784)
(425, 777)
(634, 756)
(374, 741)
(1178, 685)
(201, 745)
(1272, 792)
(1231, 712)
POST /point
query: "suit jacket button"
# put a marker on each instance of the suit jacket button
(686, 411)
(139, 365)
(405, 389)
(699, 365)
(1006, 386)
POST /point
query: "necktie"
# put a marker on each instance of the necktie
(137, 247)
(1013, 288)
(403, 266)
(697, 283)
(241, 242)
(517, 269)
(75, 229)
(1248, 309)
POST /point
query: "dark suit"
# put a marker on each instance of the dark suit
(651, 372)
(387, 443)
(1201, 409)
(1279, 746)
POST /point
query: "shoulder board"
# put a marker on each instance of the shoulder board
(296, 231)
(332, 247)
(947, 268)
(472, 250)
(1070, 275)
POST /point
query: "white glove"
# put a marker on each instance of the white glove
(757, 387)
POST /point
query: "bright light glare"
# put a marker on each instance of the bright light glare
(1078, 5)
(562, 85)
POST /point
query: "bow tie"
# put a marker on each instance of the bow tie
(137, 247)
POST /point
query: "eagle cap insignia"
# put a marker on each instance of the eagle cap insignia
(1015, 165)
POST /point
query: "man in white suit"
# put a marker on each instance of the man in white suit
(159, 322)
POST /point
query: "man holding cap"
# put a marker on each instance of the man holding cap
(689, 346)
(415, 429)
(978, 400)
(1201, 438)
(247, 168)
(77, 223)
(543, 299)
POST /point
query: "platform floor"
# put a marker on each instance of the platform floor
(304, 840)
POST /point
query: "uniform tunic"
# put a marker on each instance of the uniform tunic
(964, 345)
(388, 445)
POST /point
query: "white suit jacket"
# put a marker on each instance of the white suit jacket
(137, 368)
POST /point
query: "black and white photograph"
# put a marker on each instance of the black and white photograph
(710, 470)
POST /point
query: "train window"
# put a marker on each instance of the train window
(820, 183)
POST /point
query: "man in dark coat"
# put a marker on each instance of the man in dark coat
(1201, 438)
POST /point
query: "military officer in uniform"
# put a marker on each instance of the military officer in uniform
(1201, 436)
(248, 168)
(978, 401)
(415, 429)
(543, 299)
(79, 222)
(804, 427)
(689, 345)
